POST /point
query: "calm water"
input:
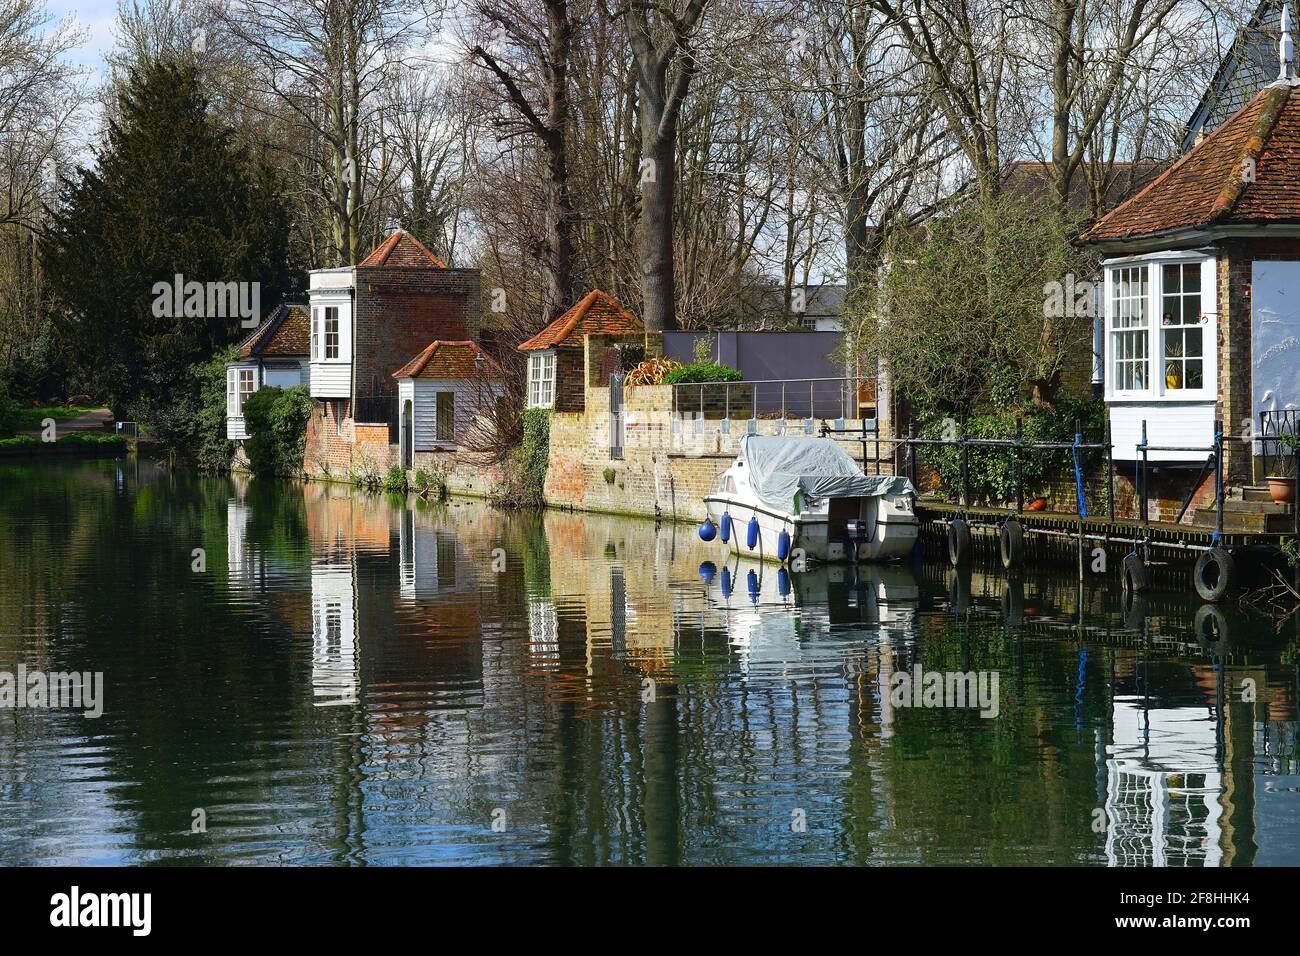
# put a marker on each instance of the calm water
(353, 681)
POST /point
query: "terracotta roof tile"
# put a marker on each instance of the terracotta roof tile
(402, 250)
(444, 360)
(1213, 183)
(285, 333)
(599, 313)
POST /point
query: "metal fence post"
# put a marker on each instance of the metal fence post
(1218, 480)
(1015, 465)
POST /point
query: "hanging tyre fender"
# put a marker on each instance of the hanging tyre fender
(1133, 575)
(1214, 574)
(1011, 544)
(958, 542)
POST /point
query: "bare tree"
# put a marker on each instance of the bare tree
(328, 62)
(548, 38)
(660, 38)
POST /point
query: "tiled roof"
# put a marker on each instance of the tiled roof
(1245, 172)
(599, 313)
(444, 360)
(402, 250)
(286, 334)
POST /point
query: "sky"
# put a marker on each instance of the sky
(96, 18)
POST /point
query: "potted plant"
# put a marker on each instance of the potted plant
(1281, 486)
(1173, 367)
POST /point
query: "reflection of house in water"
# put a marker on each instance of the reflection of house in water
(1163, 786)
(243, 562)
(428, 560)
(334, 657)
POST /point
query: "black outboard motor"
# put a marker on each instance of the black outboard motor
(856, 534)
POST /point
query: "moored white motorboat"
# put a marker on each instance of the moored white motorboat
(784, 499)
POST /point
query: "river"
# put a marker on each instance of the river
(304, 674)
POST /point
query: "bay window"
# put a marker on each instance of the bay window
(240, 384)
(1170, 358)
(541, 379)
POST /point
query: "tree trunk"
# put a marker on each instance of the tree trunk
(658, 172)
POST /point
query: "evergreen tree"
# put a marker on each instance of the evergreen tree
(170, 194)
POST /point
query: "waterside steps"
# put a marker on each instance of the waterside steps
(1253, 512)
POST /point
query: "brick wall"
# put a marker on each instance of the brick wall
(467, 473)
(570, 380)
(666, 469)
(400, 311)
(338, 453)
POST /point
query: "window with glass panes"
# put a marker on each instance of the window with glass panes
(541, 379)
(1181, 326)
(1129, 328)
(247, 377)
(332, 332)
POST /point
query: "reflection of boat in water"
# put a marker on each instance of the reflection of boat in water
(870, 594)
(771, 613)
(783, 497)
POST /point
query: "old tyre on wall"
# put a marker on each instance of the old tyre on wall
(1011, 544)
(958, 543)
(1213, 575)
(1133, 575)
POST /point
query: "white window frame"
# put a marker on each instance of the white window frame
(1156, 388)
(326, 312)
(541, 379)
(236, 396)
(323, 312)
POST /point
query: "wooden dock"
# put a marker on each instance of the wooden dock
(1165, 535)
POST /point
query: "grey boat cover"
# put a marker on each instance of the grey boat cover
(778, 467)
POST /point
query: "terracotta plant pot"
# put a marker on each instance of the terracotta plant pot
(1038, 504)
(1281, 490)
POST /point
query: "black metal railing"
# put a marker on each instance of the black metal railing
(1276, 437)
(379, 408)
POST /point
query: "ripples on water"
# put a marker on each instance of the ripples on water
(353, 681)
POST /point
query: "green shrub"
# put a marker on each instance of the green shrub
(432, 483)
(609, 476)
(991, 471)
(395, 480)
(523, 474)
(702, 372)
(212, 449)
(8, 411)
(73, 438)
(277, 426)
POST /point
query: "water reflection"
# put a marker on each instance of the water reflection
(370, 680)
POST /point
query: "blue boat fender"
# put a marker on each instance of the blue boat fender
(751, 535)
(708, 531)
(707, 570)
(783, 582)
(783, 546)
(727, 583)
(726, 527)
(751, 581)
